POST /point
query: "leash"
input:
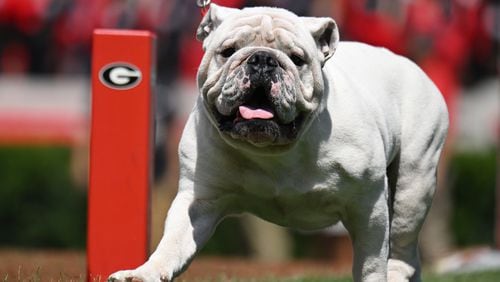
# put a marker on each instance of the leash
(204, 6)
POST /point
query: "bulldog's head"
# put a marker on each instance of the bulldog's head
(261, 76)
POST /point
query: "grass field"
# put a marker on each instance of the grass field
(42, 265)
(491, 276)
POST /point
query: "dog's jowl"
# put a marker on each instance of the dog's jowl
(304, 131)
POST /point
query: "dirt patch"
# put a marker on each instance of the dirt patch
(24, 265)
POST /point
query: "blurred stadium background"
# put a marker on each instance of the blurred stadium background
(44, 119)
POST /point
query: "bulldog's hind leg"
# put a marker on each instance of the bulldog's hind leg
(412, 180)
(189, 224)
(411, 198)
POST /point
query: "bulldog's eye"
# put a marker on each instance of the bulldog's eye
(228, 52)
(297, 60)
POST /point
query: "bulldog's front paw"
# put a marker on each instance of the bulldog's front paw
(138, 275)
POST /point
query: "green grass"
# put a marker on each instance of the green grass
(489, 276)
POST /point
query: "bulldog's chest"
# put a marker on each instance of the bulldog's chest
(309, 211)
(298, 196)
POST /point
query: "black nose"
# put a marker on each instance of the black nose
(262, 61)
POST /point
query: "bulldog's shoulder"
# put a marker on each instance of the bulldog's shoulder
(368, 57)
(359, 47)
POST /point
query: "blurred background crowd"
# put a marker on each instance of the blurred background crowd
(45, 51)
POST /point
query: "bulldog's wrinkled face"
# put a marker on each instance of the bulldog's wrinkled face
(260, 78)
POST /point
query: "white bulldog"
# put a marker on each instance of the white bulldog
(282, 131)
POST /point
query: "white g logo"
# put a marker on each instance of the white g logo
(120, 76)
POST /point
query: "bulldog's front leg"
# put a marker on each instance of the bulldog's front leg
(190, 222)
(367, 221)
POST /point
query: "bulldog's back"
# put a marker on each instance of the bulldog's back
(376, 96)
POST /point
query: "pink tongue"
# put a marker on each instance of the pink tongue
(248, 113)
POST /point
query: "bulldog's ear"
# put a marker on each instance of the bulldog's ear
(212, 19)
(325, 33)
